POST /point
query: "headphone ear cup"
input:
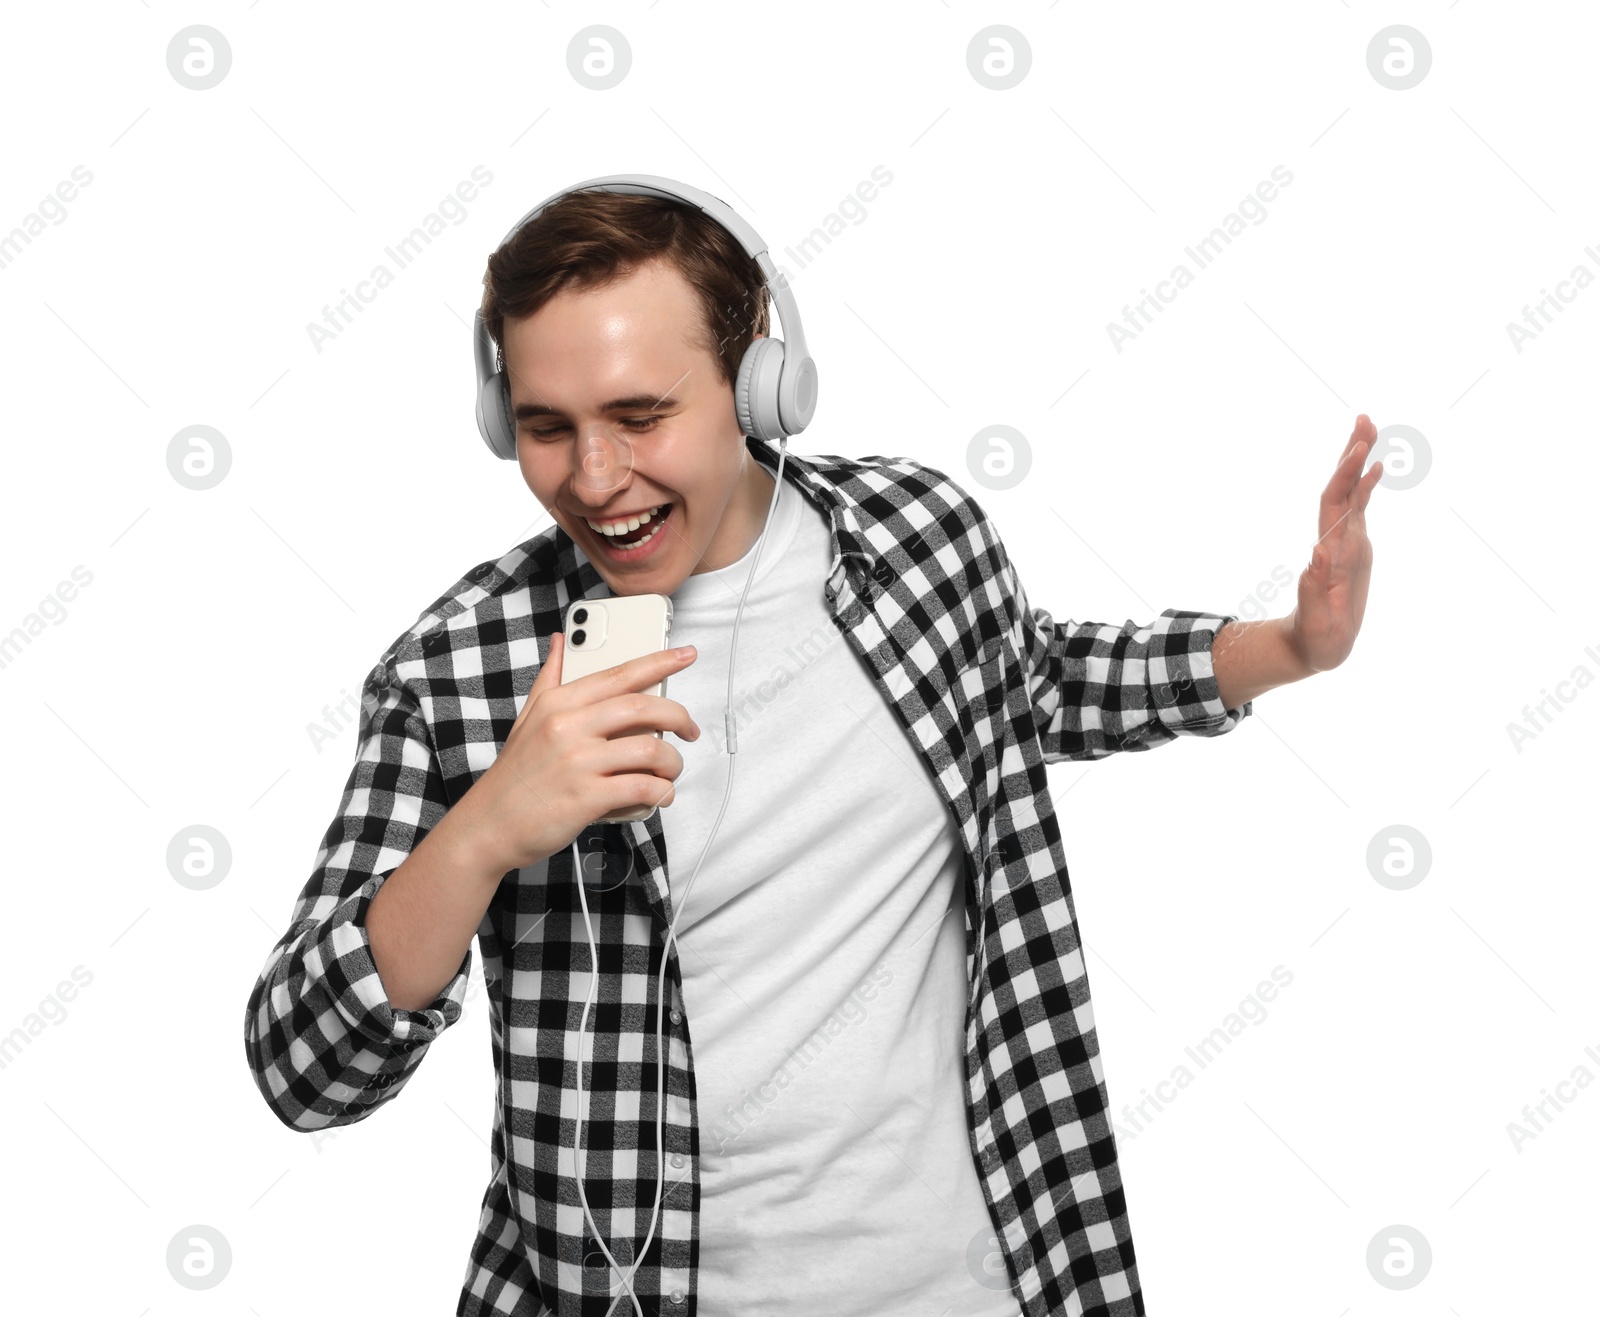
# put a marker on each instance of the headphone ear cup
(494, 416)
(755, 393)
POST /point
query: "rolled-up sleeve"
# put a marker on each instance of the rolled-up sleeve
(324, 1044)
(1097, 688)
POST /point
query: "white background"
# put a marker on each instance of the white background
(181, 686)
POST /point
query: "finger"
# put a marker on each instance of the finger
(1346, 476)
(633, 712)
(1350, 464)
(1350, 443)
(1335, 500)
(1368, 484)
(638, 754)
(549, 675)
(633, 675)
(1365, 432)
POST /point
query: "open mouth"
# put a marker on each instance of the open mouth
(638, 542)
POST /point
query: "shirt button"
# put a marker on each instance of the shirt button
(677, 1296)
(677, 1159)
(675, 1015)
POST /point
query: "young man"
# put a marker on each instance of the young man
(883, 1088)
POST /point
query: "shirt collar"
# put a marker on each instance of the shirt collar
(808, 475)
(811, 476)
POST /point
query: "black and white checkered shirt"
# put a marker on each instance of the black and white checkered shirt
(988, 690)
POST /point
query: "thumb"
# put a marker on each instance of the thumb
(550, 669)
(549, 674)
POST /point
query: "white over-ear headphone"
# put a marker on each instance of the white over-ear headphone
(776, 390)
(775, 395)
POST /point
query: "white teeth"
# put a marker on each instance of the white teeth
(624, 527)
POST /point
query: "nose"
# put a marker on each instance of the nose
(602, 465)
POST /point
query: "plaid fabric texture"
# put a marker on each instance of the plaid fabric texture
(988, 689)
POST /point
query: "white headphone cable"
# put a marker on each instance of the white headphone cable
(672, 931)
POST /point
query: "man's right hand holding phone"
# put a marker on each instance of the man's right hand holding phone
(580, 751)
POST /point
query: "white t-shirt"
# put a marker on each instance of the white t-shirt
(824, 975)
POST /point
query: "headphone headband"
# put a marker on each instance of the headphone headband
(775, 393)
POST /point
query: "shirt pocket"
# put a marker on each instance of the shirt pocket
(984, 677)
(982, 700)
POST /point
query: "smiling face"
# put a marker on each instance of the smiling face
(617, 412)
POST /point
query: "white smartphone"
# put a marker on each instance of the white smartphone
(600, 634)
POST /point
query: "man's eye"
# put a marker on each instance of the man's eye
(638, 424)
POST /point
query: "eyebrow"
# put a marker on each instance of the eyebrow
(638, 402)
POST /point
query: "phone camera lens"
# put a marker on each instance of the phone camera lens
(580, 616)
(577, 636)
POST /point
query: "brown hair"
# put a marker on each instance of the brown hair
(590, 239)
